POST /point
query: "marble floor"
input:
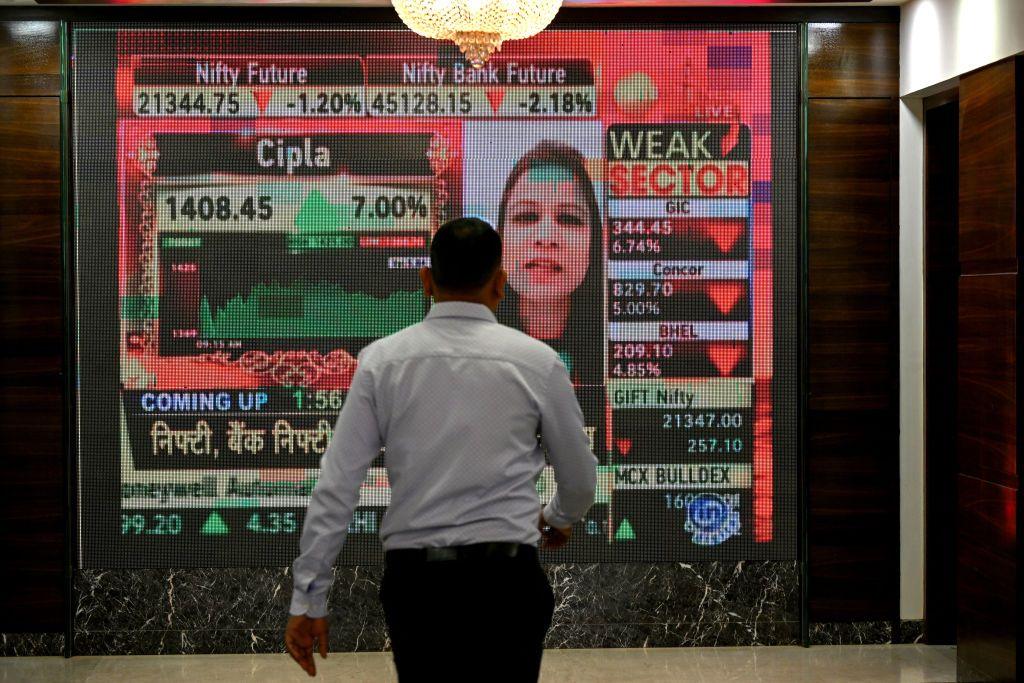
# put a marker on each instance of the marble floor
(832, 664)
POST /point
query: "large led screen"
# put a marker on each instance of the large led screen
(251, 207)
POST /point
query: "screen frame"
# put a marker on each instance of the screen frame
(384, 19)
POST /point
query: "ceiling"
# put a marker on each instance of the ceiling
(384, 3)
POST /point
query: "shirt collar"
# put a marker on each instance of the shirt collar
(461, 309)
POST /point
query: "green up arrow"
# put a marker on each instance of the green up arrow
(215, 526)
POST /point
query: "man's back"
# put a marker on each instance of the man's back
(457, 402)
(459, 399)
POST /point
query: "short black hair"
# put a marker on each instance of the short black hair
(464, 254)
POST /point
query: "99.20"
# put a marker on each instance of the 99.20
(157, 525)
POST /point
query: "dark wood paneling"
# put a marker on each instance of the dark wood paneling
(32, 460)
(852, 423)
(852, 241)
(29, 58)
(852, 247)
(987, 367)
(853, 60)
(987, 579)
(852, 520)
(940, 357)
(987, 387)
(988, 176)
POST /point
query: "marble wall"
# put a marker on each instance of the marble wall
(32, 644)
(867, 632)
(218, 611)
(597, 605)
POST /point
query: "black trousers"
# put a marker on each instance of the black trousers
(481, 619)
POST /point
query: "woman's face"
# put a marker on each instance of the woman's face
(546, 234)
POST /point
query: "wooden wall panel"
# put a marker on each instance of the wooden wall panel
(852, 530)
(32, 456)
(987, 388)
(986, 580)
(987, 362)
(29, 58)
(852, 421)
(988, 174)
(853, 60)
(851, 245)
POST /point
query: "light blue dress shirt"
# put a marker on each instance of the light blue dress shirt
(458, 401)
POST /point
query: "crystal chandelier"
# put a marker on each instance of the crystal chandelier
(478, 27)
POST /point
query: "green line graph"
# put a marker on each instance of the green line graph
(319, 215)
(308, 309)
(365, 208)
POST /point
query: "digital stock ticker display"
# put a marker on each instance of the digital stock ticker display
(251, 208)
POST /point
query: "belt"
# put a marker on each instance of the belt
(476, 551)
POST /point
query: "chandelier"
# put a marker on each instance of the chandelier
(478, 27)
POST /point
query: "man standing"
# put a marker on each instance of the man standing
(458, 400)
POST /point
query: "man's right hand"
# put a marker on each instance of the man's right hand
(552, 538)
(300, 636)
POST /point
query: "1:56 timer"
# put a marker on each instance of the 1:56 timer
(319, 400)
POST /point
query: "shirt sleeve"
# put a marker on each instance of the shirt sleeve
(568, 449)
(355, 443)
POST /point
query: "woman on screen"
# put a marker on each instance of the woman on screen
(551, 227)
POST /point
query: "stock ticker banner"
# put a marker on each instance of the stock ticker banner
(251, 208)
